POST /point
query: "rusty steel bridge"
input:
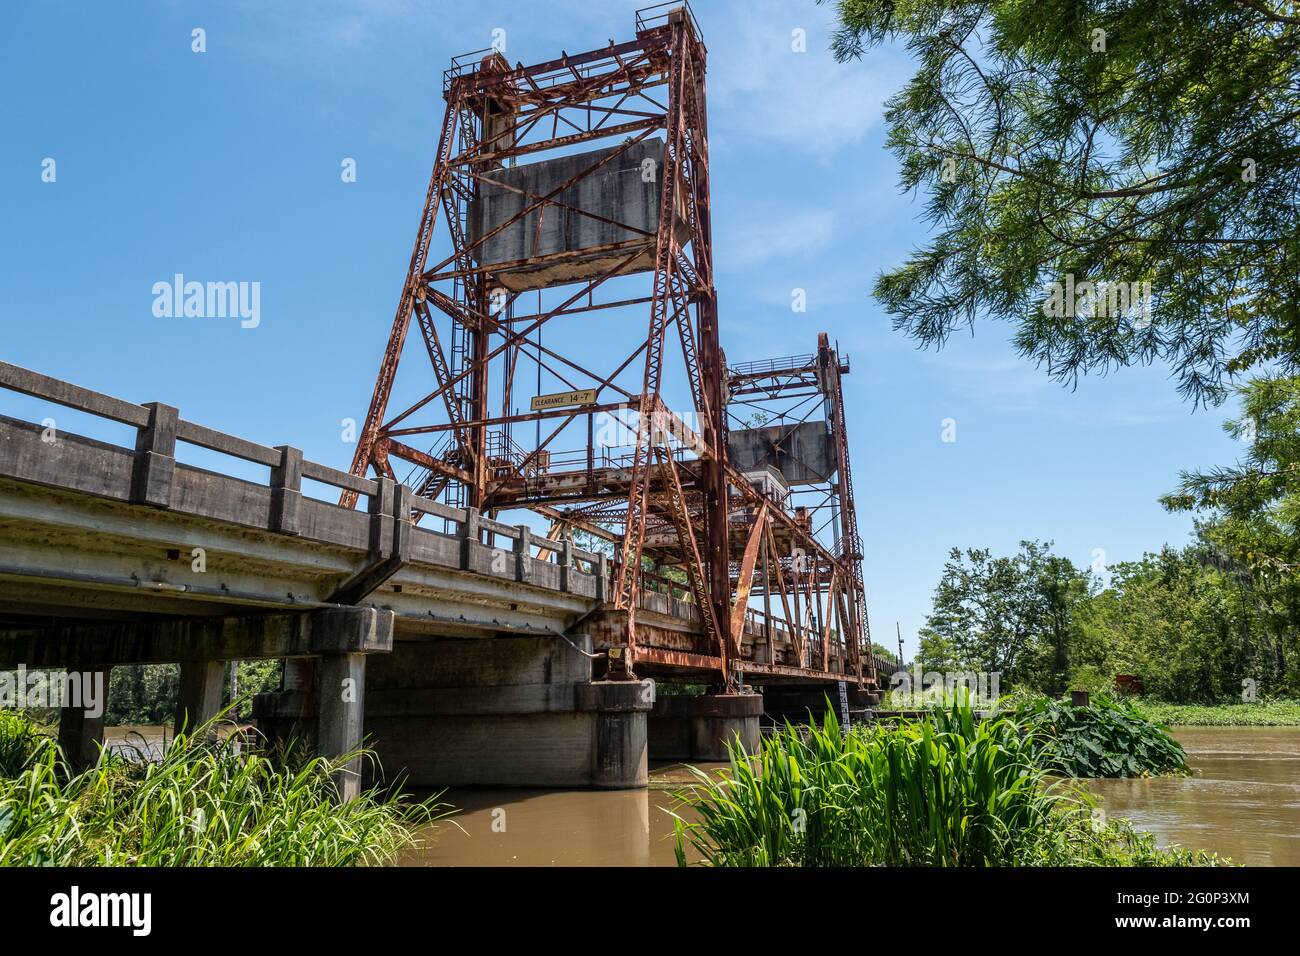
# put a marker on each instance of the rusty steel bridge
(614, 193)
(667, 516)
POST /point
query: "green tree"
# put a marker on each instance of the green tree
(1060, 588)
(1013, 615)
(1251, 521)
(1178, 624)
(1110, 142)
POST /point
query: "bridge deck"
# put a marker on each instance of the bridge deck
(92, 530)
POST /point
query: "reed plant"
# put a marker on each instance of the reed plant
(204, 802)
(20, 742)
(944, 790)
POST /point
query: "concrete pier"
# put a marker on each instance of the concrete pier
(505, 711)
(198, 698)
(699, 728)
(342, 716)
(81, 735)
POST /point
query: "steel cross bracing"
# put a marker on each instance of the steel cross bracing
(683, 522)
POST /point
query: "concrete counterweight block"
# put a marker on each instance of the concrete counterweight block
(699, 728)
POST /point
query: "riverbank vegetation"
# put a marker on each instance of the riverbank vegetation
(944, 790)
(1104, 738)
(203, 803)
(1184, 623)
(1260, 713)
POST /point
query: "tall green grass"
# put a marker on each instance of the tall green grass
(947, 790)
(202, 803)
(20, 742)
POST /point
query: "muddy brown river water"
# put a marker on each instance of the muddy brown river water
(1241, 801)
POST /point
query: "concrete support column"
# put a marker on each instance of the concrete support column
(81, 730)
(289, 714)
(322, 697)
(699, 728)
(620, 754)
(343, 637)
(200, 692)
(340, 728)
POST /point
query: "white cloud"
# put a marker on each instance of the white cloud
(765, 90)
(771, 233)
(1016, 386)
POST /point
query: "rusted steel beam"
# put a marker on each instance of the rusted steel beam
(417, 457)
(786, 593)
(754, 668)
(670, 658)
(727, 648)
(363, 458)
(826, 622)
(620, 129)
(638, 496)
(565, 412)
(747, 564)
(576, 521)
(509, 77)
(638, 246)
(597, 307)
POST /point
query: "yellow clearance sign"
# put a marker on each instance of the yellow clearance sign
(584, 396)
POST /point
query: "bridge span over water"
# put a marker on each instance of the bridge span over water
(466, 651)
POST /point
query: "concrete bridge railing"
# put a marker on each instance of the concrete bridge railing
(150, 475)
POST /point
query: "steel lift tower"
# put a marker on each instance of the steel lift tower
(576, 191)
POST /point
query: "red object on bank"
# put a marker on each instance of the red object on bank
(1129, 684)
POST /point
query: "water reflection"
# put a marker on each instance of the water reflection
(560, 827)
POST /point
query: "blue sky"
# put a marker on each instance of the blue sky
(226, 165)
